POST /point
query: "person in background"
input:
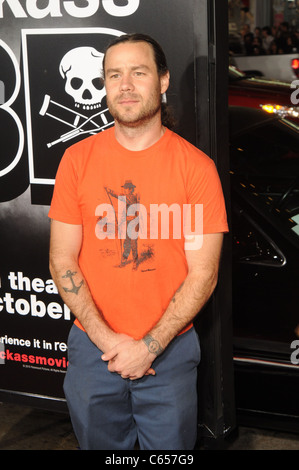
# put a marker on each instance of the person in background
(267, 39)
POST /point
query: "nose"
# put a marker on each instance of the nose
(126, 83)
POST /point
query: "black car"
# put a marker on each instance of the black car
(264, 162)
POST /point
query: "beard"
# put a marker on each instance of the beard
(127, 116)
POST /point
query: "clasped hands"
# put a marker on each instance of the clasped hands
(131, 359)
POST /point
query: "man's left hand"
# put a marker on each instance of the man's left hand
(130, 359)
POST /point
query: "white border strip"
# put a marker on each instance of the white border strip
(6, 106)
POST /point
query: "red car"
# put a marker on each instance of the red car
(257, 92)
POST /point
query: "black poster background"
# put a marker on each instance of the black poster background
(37, 45)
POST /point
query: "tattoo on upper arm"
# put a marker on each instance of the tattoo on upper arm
(74, 289)
(153, 345)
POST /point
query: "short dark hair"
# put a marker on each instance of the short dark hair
(167, 116)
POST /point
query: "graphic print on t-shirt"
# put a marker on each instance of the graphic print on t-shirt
(125, 224)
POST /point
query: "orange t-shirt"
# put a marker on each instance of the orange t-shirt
(132, 256)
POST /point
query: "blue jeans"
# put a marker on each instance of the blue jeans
(111, 413)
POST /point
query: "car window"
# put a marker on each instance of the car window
(265, 163)
(265, 228)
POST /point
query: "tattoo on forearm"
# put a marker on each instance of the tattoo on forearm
(180, 288)
(152, 345)
(74, 289)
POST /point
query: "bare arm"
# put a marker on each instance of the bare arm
(194, 292)
(65, 245)
(203, 263)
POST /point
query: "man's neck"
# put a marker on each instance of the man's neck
(139, 137)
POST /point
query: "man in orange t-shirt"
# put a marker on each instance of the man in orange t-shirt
(138, 217)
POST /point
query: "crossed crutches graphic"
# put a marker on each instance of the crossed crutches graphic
(76, 120)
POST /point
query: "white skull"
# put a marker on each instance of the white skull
(81, 68)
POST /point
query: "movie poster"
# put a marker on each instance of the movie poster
(51, 54)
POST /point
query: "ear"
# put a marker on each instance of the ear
(164, 82)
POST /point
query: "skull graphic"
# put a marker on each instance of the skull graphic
(81, 69)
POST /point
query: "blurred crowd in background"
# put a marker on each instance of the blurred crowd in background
(259, 40)
(267, 40)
